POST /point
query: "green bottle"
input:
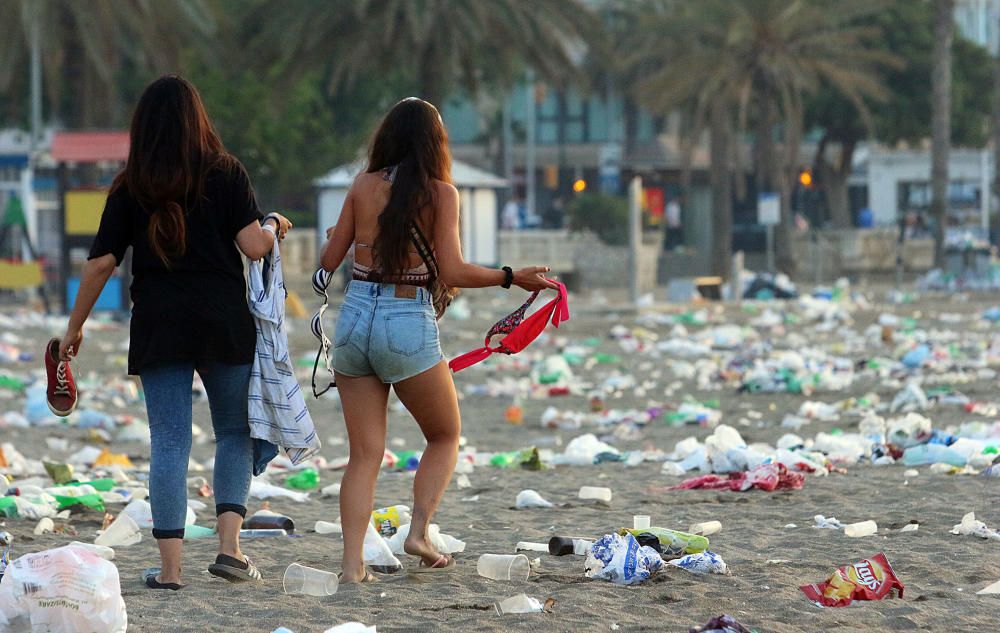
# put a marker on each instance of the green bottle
(94, 501)
(8, 508)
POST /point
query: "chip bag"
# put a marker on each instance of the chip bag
(869, 579)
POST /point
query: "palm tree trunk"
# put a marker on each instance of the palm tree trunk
(720, 183)
(944, 33)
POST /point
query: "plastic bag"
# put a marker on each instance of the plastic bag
(377, 553)
(702, 563)
(64, 589)
(622, 560)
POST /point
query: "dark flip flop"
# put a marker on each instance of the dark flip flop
(233, 570)
(149, 577)
(368, 577)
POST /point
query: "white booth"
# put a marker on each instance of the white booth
(477, 189)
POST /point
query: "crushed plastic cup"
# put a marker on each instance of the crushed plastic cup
(504, 567)
(124, 531)
(706, 528)
(640, 521)
(864, 528)
(595, 493)
(326, 527)
(521, 603)
(299, 579)
(45, 526)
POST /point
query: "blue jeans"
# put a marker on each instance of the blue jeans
(167, 390)
(381, 334)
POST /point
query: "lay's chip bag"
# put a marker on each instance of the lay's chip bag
(869, 579)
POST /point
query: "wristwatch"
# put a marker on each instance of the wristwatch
(508, 277)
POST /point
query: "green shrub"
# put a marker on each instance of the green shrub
(606, 216)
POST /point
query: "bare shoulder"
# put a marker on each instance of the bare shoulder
(445, 191)
(365, 180)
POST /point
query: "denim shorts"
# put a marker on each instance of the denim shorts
(380, 334)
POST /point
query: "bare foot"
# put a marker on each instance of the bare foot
(417, 546)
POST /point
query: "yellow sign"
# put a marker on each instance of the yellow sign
(16, 275)
(83, 211)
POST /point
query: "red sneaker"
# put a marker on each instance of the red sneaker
(61, 392)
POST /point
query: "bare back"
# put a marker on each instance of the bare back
(370, 195)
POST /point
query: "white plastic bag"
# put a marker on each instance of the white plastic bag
(622, 560)
(67, 589)
(444, 543)
(377, 552)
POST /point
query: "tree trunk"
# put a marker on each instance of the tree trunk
(833, 178)
(996, 131)
(941, 120)
(722, 199)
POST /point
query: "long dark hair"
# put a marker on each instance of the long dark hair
(413, 139)
(172, 147)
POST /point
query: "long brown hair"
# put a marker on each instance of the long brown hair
(413, 139)
(172, 147)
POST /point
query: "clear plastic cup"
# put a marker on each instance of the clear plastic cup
(518, 604)
(595, 493)
(504, 566)
(707, 528)
(124, 531)
(640, 522)
(326, 527)
(864, 528)
(304, 580)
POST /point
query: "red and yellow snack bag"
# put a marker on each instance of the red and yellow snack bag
(869, 579)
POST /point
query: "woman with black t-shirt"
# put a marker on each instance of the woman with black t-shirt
(187, 209)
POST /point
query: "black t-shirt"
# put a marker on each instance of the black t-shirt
(195, 310)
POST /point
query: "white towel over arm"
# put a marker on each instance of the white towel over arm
(277, 408)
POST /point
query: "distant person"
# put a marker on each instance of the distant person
(510, 217)
(402, 217)
(187, 209)
(672, 213)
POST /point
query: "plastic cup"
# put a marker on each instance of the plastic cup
(640, 522)
(299, 579)
(504, 566)
(708, 528)
(124, 531)
(517, 604)
(595, 493)
(326, 527)
(865, 528)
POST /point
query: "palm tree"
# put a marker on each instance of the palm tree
(750, 64)
(85, 46)
(944, 34)
(441, 44)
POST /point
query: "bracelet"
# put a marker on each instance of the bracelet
(508, 277)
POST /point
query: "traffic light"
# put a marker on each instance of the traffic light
(806, 178)
(579, 185)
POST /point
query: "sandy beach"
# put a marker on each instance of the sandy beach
(768, 559)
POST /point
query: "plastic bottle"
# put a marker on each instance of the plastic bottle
(923, 454)
(706, 528)
(8, 507)
(514, 414)
(261, 533)
(267, 520)
(563, 546)
(388, 520)
(525, 546)
(325, 527)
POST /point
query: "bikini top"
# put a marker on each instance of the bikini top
(416, 276)
(520, 331)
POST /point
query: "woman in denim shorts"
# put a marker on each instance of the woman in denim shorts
(401, 216)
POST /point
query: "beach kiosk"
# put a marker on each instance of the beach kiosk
(87, 163)
(478, 191)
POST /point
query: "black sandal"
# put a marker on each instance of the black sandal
(149, 577)
(368, 577)
(233, 570)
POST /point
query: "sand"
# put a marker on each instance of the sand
(941, 571)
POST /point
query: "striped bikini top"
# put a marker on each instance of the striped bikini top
(416, 276)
